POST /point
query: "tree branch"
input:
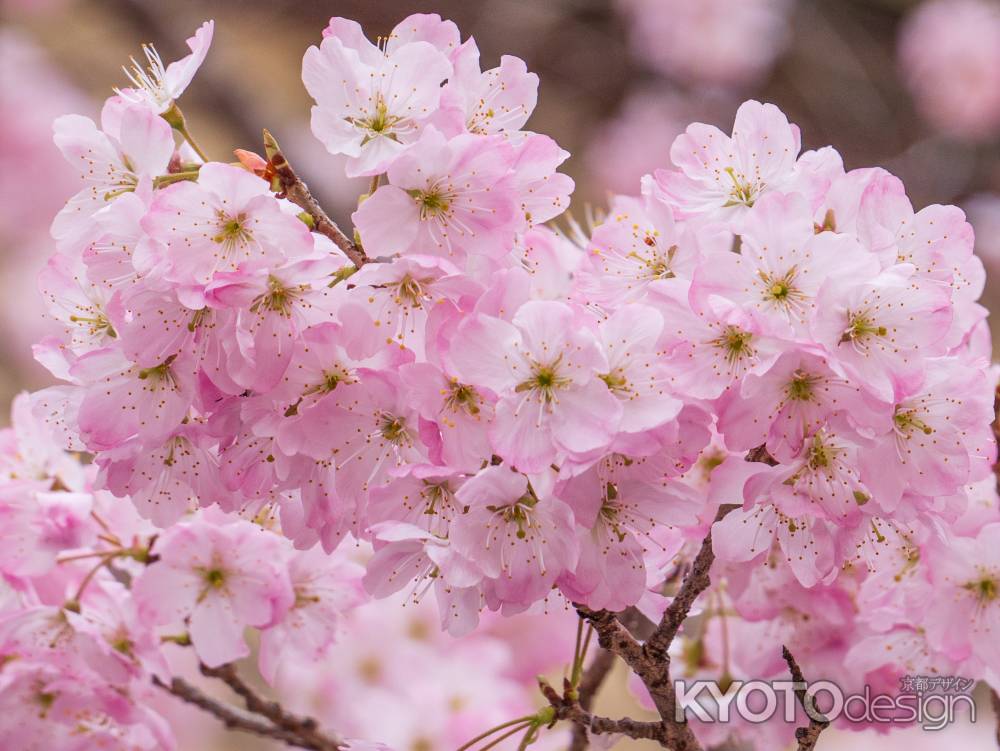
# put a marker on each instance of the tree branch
(651, 660)
(593, 678)
(303, 728)
(570, 710)
(232, 718)
(809, 734)
(296, 191)
(696, 582)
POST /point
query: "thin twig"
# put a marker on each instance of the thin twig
(593, 678)
(650, 661)
(696, 582)
(568, 709)
(231, 717)
(304, 728)
(808, 734)
(296, 191)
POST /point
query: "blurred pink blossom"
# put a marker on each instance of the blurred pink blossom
(723, 42)
(949, 51)
(640, 135)
(29, 101)
(983, 211)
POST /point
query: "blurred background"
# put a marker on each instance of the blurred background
(910, 86)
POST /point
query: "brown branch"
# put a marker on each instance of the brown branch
(232, 718)
(809, 734)
(697, 581)
(654, 673)
(650, 661)
(570, 709)
(594, 676)
(303, 728)
(296, 191)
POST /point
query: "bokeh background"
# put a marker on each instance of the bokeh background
(910, 86)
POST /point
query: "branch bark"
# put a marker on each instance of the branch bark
(651, 660)
(594, 676)
(303, 728)
(568, 709)
(296, 191)
(235, 719)
(808, 735)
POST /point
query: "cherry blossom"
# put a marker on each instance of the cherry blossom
(396, 462)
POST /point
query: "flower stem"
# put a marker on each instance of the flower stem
(521, 721)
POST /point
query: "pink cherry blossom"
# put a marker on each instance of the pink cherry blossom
(546, 372)
(446, 197)
(219, 579)
(497, 100)
(370, 102)
(132, 147)
(523, 543)
(722, 177)
(157, 86)
(227, 218)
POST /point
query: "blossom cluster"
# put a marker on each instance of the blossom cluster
(512, 416)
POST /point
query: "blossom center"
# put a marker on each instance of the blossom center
(393, 429)
(861, 326)
(907, 420)
(461, 397)
(545, 381)
(232, 231)
(985, 589)
(800, 388)
(743, 192)
(735, 343)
